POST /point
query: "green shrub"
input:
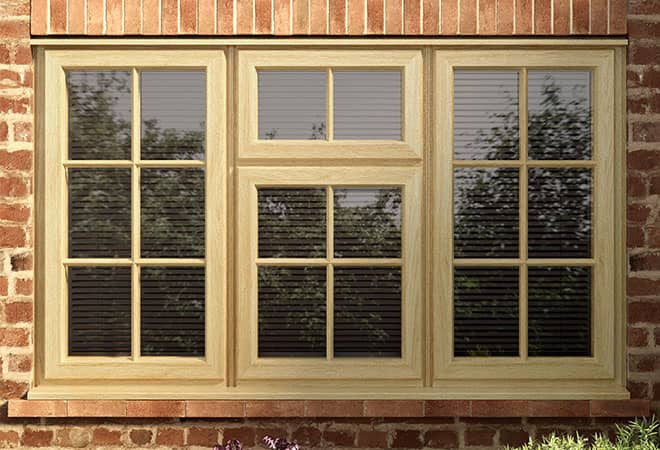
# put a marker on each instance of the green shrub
(639, 434)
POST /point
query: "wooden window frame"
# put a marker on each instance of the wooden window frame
(236, 164)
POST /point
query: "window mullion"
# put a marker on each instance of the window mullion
(522, 192)
(135, 217)
(330, 133)
(330, 274)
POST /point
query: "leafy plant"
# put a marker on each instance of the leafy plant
(280, 444)
(232, 444)
(639, 434)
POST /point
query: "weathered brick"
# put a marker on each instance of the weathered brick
(170, 436)
(9, 439)
(372, 439)
(441, 439)
(307, 436)
(104, 436)
(339, 438)
(407, 439)
(246, 435)
(482, 437)
(141, 436)
(18, 312)
(20, 363)
(207, 437)
(21, 262)
(14, 213)
(13, 187)
(513, 438)
(23, 286)
(14, 337)
(37, 438)
(78, 437)
(20, 160)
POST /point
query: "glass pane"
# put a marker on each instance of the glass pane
(367, 311)
(559, 311)
(486, 114)
(173, 114)
(486, 311)
(559, 114)
(172, 213)
(292, 311)
(292, 223)
(99, 213)
(367, 222)
(367, 104)
(486, 213)
(172, 311)
(559, 213)
(99, 114)
(292, 104)
(99, 311)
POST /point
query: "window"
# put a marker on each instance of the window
(353, 222)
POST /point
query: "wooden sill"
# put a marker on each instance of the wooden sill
(328, 408)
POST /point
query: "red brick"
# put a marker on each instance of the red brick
(170, 436)
(637, 337)
(355, 25)
(407, 439)
(635, 237)
(150, 20)
(487, 17)
(23, 287)
(559, 408)
(246, 435)
(636, 187)
(307, 436)
(282, 17)
(11, 105)
(14, 337)
(638, 390)
(4, 54)
(18, 312)
(4, 286)
(20, 160)
(393, 17)
(144, 437)
(114, 16)
(643, 363)
(225, 17)
(11, 389)
(643, 312)
(274, 408)
(618, 16)
(155, 408)
(543, 17)
(37, 408)
(653, 236)
(372, 439)
(468, 17)
(58, 19)
(244, 16)
(215, 408)
(505, 15)
(76, 17)
(620, 408)
(300, 16)
(188, 11)
(644, 160)
(263, 14)
(14, 213)
(500, 408)
(4, 131)
(104, 436)
(339, 438)
(20, 363)
(441, 439)
(642, 286)
(317, 21)
(513, 438)
(580, 16)
(132, 17)
(169, 17)
(73, 437)
(21, 262)
(638, 214)
(446, 408)
(393, 408)
(654, 183)
(644, 54)
(524, 17)
(333, 408)
(645, 261)
(561, 17)
(479, 437)
(207, 437)
(8, 439)
(95, 17)
(14, 29)
(643, 7)
(23, 132)
(37, 438)
(38, 17)
(97, 408)
(639, 29)
(376, 16)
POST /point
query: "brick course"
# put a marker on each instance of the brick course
(447, 424)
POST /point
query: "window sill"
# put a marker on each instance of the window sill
(327, 408)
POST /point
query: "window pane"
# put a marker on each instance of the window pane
(367, 311)
(560, 213)
(367, 222)
(99, 213)
(559, 311)
(559, 114)
(172, 311)
(99, 311)
(292, 104)
(173, 114)
(292, 312)
(172, 213)
(486, 213)
(99, 114)
(486, 311)
(486, 114)
(367, 104)
(292, 223)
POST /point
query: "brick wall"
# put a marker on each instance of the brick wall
(302, 17)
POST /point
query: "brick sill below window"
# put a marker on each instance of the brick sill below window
(328, 408)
